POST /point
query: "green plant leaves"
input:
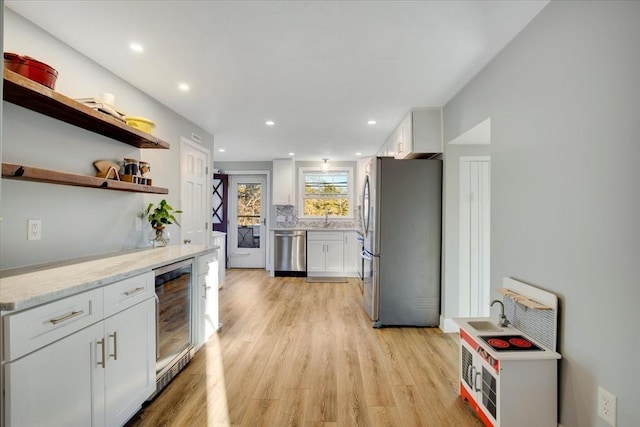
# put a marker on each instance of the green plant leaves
(161, 215)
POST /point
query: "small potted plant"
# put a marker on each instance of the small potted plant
(159, 217)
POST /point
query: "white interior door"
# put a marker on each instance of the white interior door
(475, 198)
(194, 171)
(246, 233)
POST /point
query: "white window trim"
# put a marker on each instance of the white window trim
(350, 191)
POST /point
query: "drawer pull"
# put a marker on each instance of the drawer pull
(134, 291)
(67, 317)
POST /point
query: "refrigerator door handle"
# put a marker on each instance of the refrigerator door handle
(367, 255)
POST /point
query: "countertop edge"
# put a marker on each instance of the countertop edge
(58, 290)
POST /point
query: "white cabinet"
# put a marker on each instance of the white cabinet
(352, 249)
(206, 298)
(58, 384)
(74, 374)
(220, 239)
(130, 356)
(283, 182)
(419, 132)
(332, 253)
(325, 252)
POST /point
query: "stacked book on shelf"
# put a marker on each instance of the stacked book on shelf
(100, 105)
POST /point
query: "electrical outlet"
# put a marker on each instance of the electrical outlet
(607, 406)
(34, 229)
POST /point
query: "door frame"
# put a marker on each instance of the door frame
(466, 233)
(267, 228)
(208, 183)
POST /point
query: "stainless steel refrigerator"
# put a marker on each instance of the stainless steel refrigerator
(402, 220)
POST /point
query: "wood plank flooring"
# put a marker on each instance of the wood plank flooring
(292, 353)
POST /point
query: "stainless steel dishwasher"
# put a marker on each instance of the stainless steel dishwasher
(290, 253)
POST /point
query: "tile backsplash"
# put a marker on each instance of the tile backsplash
(286, 216)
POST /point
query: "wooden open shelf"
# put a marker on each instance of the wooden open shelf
(521, 299)
(27, 173)
(34, 96)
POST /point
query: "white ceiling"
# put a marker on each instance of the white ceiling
(319, 69)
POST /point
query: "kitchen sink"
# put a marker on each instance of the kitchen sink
(484, 326)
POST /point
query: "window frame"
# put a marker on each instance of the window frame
(302, 171)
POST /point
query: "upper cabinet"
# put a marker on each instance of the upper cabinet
(34, 96)
(283, 182)
(418, 134)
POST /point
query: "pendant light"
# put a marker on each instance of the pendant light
(325, 165)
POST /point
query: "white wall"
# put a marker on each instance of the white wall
(564, 102)
(78, 221)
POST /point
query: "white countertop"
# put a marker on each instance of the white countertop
(315, 229)
(42, 285)
(463, 323)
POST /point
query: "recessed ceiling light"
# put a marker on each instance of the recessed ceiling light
(136, 47)
(292, 154)
(183, 87)
(269, 123)
(371, 122)
(221, 150)
(358, 154)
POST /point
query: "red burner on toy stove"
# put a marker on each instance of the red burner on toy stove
(510, 343)
(497, 343)
(520, 342)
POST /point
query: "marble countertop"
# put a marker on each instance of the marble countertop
(41, 284)
(315, 229)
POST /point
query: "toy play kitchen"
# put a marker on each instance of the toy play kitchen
(508, 366)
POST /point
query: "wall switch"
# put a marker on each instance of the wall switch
(607, 406)
(34, 229)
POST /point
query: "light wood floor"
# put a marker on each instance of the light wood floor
(292, 353)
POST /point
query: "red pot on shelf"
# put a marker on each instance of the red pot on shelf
(31, 68)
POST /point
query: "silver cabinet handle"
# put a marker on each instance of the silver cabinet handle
(101, 343)
(67, 317)
(115, 345)
(133, 291)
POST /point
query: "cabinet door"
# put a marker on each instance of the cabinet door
(131, 354)
(334, 256)
(58, 385)
(315, 256)
(210, 299)
(427, 130)
(283, 182)
(351, 252)
(219, 240)
(404, 137)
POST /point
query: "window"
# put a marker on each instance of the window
(326, 192)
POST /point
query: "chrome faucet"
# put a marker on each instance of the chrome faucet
(502, 319)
